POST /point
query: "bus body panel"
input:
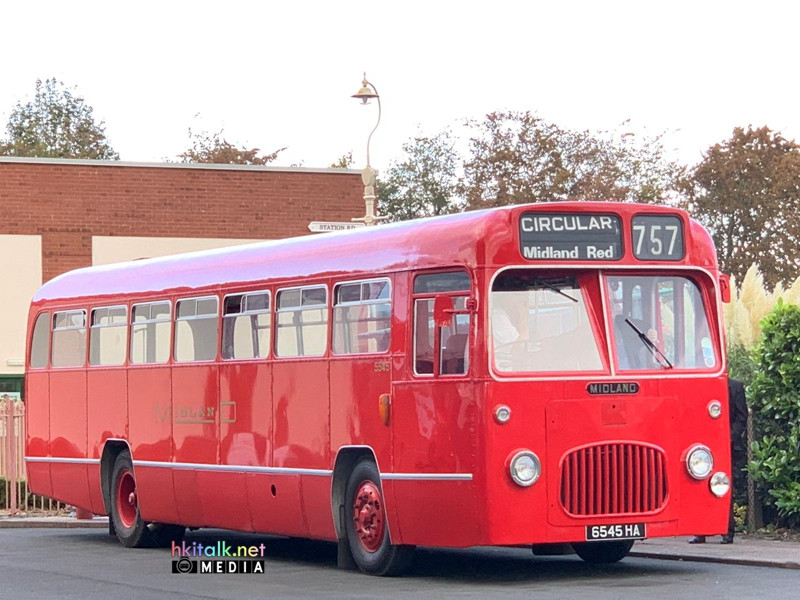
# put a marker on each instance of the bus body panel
(150, 411)
(107, 396)
(37, 431)
(245, 434)
(301, 435)
(195, 439)
(437, 452)
(68, 426)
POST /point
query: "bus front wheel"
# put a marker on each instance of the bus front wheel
(365, 523)
(603, 552)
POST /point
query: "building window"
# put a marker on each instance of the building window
(302, 321)
(69, 338)
(150, 330)
(246, 326)
(362, 317)
(196, 329)
(108, 337)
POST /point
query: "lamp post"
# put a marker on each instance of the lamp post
(365, 94)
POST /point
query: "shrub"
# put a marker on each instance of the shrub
(741, 364)
(775, 398)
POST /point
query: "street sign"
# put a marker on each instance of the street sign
(322, 226)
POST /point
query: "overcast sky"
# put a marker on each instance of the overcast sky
(275, 74)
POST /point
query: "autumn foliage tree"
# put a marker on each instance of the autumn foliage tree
(746, 191)
(517, 157)
(56, 124)
(209, 147)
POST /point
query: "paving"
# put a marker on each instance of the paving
(745, 550)
(20, 522)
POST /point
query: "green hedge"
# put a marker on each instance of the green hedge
(774, 395)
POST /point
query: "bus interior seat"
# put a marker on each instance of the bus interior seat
(454, 354)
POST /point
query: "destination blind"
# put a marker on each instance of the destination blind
(570, 236)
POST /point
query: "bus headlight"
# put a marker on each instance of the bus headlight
(699, 462)
(525, 468)
(719, 484)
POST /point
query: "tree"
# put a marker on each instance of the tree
(746, 191)
(213, 148)
(56, 124)
(424, 182)
(345, 161)
(517, 157)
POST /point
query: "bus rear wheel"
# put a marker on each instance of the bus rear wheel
(365, 524)
(603, 553)
(131, 530)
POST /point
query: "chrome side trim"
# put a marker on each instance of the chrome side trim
(57, 459)
(232, 468)
(428, 476)
(255, 469)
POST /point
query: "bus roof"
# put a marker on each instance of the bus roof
(485, 237)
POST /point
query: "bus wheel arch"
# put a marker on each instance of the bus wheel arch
(360, 517)
(111, 450)
(346, 460)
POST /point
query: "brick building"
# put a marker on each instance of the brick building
(57, 215)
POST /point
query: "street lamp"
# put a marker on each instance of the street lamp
(365, 94)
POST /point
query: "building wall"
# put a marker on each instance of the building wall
(20, 277)
(59, 215)
(113, 249)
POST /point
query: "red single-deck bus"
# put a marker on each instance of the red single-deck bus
(544, 375)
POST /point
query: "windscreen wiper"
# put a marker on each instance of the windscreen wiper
(553, 288)
(648, 343)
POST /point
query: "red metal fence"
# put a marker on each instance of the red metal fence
(14, 496)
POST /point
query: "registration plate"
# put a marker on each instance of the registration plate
(627, 531)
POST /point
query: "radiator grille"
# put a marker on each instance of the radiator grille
(613, 479)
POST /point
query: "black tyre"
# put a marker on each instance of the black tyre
(599, 553)
(365, 523)
(131, 531)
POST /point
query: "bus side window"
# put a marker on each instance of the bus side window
(196, 329)
(108, 336)
(150, 329)
(362, 317)
(246, 326)
(424, 329)
(301, 321)
(40, 342)
(69, 338)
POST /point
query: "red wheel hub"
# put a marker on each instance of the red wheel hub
(368, 518)
(127, 502)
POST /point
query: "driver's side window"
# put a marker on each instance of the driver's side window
(441, 350)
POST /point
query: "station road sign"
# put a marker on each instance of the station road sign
(322, 226)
